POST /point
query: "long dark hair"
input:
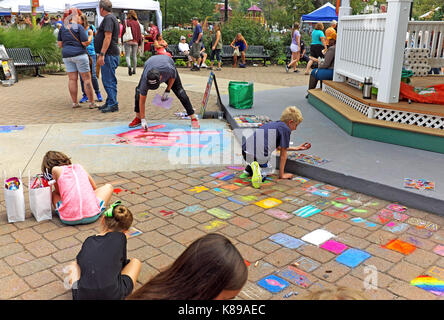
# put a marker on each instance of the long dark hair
(208, 266)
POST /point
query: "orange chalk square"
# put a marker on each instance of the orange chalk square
(400, 246)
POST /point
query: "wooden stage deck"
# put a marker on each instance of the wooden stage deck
(431, 109)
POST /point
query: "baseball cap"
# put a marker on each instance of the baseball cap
(153, 79)
(182, 38)
(194, 18)
(334, 22)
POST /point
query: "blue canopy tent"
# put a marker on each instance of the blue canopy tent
(326, 14)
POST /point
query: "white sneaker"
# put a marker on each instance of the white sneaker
(203, 65)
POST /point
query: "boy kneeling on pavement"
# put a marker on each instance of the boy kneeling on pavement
(257, 149)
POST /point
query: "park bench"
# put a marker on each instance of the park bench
(24, 59)
(174, 49)
(253, 52)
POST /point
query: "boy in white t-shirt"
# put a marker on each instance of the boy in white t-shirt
(184, 49)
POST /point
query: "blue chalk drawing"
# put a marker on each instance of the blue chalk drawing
(352, 257)
(7, 129)
(273, 283)
(286, 240)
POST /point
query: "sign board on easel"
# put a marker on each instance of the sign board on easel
(211, 79)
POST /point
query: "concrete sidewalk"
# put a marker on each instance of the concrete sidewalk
(98, 147)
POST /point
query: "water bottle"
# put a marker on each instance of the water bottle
(367, 88)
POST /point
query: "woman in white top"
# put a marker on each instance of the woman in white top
(184, 49)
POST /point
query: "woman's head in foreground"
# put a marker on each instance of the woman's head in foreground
(211, 268)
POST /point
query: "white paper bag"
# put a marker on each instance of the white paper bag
(40, 202)
(15, 202)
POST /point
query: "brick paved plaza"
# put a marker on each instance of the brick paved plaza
(171, 213)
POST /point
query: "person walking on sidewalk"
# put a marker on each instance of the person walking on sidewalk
(196, 44)
(105, 44)
(295, 48)
(216, 47)
(131, 47)
(160, 68)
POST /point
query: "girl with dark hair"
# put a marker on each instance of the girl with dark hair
(211, 268)
(76, 198)
(102, 270)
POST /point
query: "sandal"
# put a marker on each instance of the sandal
(93, 105)
(76, 105)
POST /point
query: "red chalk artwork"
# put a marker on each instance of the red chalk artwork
(151, 138)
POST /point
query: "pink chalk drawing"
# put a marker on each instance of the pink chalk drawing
(273, 282)
(439, 249)
(151, 138)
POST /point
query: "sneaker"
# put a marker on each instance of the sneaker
(111, 109)
(286, 68)
(84, 99)
(136, 122)
(195, 123)
(203, 65)
(103, 107)
(256, 180)
(99, 97)
(296, 71)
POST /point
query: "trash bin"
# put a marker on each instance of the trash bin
(240, 94)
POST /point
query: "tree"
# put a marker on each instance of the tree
(180, 11)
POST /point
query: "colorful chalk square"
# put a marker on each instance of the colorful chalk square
(336, 214)
(420, 232)
(396, 207)
(199, 189)
(273, 283)
(353, 257)
(329, 188)
(317, 237)
(419, 184)
(286, 240)
(307, 264)
(307, 211)
(422, 224)
(221, 192)
(366, 223)
(279, 214)
(188, 211)
(400, 246)
(399, 216)
(220, 174)
(322, 203)
(439, 249)
(231, 187)
(396, 227)
(236, 200)
(219, 213)
(437, 271)
(268, 203)
(429, 284)
(300, 179)
(248, 198)
(228, 177)
(334, 246)
(295, 276)
(132, 232)
(214, 224)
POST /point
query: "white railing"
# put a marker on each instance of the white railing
(362, 39)
(373, 45)
(428, 35)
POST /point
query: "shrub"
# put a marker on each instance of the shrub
(40, 41)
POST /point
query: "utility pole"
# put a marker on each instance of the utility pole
(226, 11)
(165, 20)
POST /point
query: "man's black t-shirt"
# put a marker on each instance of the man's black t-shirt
(109, 24)
(101, 261)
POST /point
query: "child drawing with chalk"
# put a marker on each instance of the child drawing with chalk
(101, 270)
(211, 268)
(258, 148)
(75, 197)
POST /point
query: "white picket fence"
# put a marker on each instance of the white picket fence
(428, 35)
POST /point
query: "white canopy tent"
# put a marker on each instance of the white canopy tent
(148, 5)
(50, 6)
